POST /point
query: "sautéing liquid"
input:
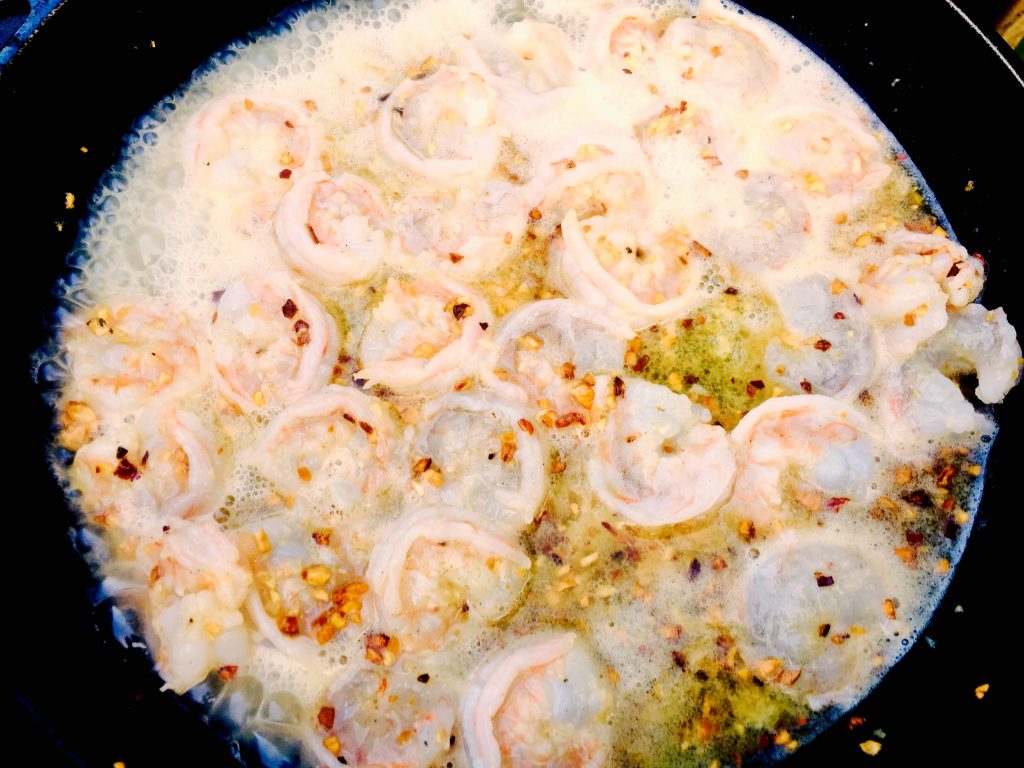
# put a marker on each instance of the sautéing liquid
(481, 384)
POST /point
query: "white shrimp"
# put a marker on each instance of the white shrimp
(306, 592)
(442, 126)
(272, 342)
(592, 172)
(483, 451)
(828, 342)
(435, 567)
(622, 49)
(333, 229)
(239, 143)
(906, 286)
(716, 58)
(135, 355)
(813, 605)
(658, 460)
(825, 151)
(544, 350)
(196, 591)
(647, 278)
(423, 336)
(540, 702)
(385, 719)
(980, 340)
(464, 231)
(529, 65)
(334, 442)
(142, 473)
(827, 446)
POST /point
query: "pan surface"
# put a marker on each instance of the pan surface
(82, 699)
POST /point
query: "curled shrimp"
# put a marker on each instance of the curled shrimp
(423, 336)
(826, 444)
(544, 351)
(434, 566)
(442, 126)
(334, 442)
(907, 283)
(239, 142)
(645, 278)
(272, 342)
(196, 591)
(134, 355)
(716, 58)
(464, 231)
(478, 451)
(540, 702)
(806, 584)
(592, 172)
(138, 475)
(983, 341)
(825, 151)
(384, 718)
(658, 461)
(333, 229)
(828, 343)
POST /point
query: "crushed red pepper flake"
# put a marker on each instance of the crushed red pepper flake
(805, 385)
(126, 470)
(824, 629)
(836, 503)
(462, 310)
(322, 536)
(823, 345)
(227, 672)
(326, 717)
(289, 625)
(824, 580)
(286, 173)
(618, 387)
(289, 309)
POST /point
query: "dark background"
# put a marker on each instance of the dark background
(80, 699)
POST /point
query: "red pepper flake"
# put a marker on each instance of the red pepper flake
(753, 387)
(326, 717)
(823, 345)
(641, 364)
(145, 458)
(121, 452)
(718, 563)
(286, 173)
(824, 629)
(857, 722)
(694, 570)
(302, 332)
(460, 310)
(535, 215)
(368, 429)
(836, 503)
(312, 235)
(349, 418)
(126, 470)
(484, 326)
(455, 258)
(691, 379)
(805, 385)
(322, 536)
(289, 625)
(679, 659)
(838, 316)
(915, 538)
(919, 498)
(687, 323)
(954, 270)
(618, 387)
(823, 579)
(227, 672)
(945, 477)
(627, 71)
(424, 678)
(289, 309)
(731, 291)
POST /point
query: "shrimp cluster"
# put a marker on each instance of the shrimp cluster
(528, 388)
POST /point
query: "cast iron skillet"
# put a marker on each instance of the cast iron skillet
(82, 699)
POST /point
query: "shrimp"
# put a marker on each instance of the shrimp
(658, 461)
(592, 173)
(272, 342)
(138, 475)
(980, 340)
(538, 703)
(621, 54)
(423, 336)
(828, 342)
(529, 65)
(334, 442)
(717, 59)
(544, 351)
(645, 278)
(826, 152)
(384, 719)
(333, 229)
(238, 143)
(465, 231)
(435, 567)
(442, 126)
(134, 356)
(828, 446)
(306, 592)
(196, 591)
(906, 285)
(812, 605)
(484, 453)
